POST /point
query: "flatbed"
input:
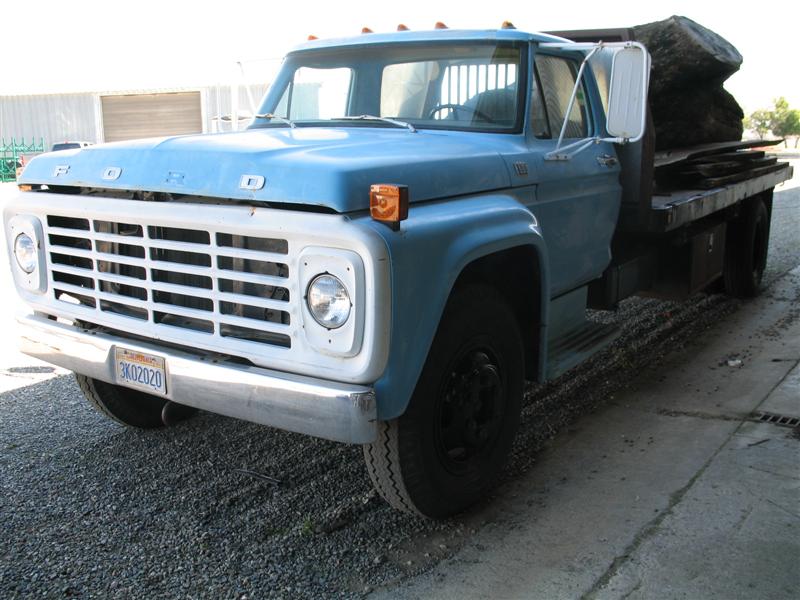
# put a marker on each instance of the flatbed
(672, 210)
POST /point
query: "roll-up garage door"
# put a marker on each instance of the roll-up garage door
(149, 115)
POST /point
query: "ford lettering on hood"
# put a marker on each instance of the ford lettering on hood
(332, 167)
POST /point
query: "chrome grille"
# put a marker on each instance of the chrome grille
(168, 279)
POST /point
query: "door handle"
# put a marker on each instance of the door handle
(606, 160)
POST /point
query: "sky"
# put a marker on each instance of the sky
(90, 45)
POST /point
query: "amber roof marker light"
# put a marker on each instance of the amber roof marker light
(507, 25)
(388, 204)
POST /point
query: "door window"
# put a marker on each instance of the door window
(556, 77)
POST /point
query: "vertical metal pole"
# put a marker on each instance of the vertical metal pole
(234, 107)
(99, 132)
(216, 126)
(449, 84)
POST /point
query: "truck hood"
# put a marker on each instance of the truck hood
(329, 167)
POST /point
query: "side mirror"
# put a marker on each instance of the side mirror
(627, 94)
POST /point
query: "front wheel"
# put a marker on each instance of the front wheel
(447, 450)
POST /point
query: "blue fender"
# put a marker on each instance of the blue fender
(433, 247)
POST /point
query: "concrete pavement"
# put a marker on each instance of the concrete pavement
(670, 491)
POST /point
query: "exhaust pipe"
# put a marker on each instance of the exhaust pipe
(174, 413)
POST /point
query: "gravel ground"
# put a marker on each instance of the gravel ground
(89, 509)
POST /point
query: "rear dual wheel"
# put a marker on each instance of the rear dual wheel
(447, 450)
(746, 250)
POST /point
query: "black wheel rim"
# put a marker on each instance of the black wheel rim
(471, 409)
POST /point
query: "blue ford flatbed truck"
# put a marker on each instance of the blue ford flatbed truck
(413, 225)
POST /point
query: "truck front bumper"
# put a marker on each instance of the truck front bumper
(325, 409)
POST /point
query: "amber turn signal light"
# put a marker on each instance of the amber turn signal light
(388, 203)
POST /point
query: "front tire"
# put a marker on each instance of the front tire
(447, 450)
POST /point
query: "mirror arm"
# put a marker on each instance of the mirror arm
(570, 150)
(575, 88)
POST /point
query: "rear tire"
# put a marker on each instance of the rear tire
(447, 450)
(123, 405)
(746, 250)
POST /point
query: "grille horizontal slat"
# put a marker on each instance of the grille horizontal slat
(78, 280)
(257, 278)
(91, 254)
(120, 279)
(207, 283)
(183, 269)
(251, 255)
(121, 299)
(98, 236)
(251, 300)
(253, 324)
(75, 289)
(79, 271)
(179, 246)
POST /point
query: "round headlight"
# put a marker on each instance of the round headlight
(25, 252)
(328, 301)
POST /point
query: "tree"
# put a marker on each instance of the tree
(782, 121)
(791, 126)
(759, 121)
(785, 121)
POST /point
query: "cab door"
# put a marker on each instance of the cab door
(577, 200)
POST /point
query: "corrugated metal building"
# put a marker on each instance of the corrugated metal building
(113, 116)
(55, 118)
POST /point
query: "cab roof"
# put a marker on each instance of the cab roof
(435, 35)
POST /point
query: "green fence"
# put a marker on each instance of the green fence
(11, 156)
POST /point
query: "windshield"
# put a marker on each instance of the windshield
(468, 86)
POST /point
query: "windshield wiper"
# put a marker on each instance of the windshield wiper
(289, 122)
(408, 126)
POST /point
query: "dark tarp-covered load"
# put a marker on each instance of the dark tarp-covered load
(687, 101)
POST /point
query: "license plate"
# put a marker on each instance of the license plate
(142, 371)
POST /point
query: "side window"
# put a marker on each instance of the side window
(557, 78)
